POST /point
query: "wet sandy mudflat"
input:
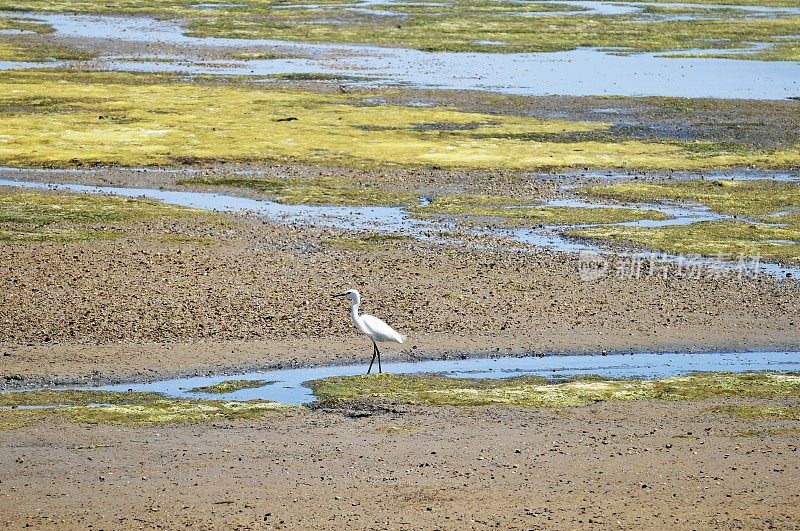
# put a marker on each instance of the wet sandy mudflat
(603, 466)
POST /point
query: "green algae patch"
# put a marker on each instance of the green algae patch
(511, 211)
(50, 234)
(19, 418)
(57, 217)
(230, 386)
(775, 236)
(66, 119)
(50, 397)
(110, 407)
(745, 198)
(47, 208)
(494, 26)
(38, 53)
(718, 239)
(173, 412)
(778, 51)
(504, 27)
(760, 412)
(537, 392)
(20, 24)
(321, 191)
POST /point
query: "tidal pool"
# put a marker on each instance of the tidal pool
(287, 385)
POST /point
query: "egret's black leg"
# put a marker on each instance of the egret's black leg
(374, 353)
(380, 371)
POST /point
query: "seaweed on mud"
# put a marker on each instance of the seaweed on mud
(519, 211)
(85, 118)
(172, 412)
(493, 26)
(133, 408)
(50, 397)
(726, 196)
(322, 191)
(773, 235)
(718, 239)
(50, 216)
(537, 392)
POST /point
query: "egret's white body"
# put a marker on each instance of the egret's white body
(369, 325)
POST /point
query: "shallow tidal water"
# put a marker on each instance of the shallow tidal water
(584, 71)
(288, 386)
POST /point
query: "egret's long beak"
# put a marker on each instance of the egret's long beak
(339, 295)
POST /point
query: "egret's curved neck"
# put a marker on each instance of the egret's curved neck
(354, 313)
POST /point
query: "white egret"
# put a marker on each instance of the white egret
(376, 329)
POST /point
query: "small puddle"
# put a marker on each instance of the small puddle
(288, 386)
(571, 73)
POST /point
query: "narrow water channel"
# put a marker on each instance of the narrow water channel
(397, 220)
(288, 384)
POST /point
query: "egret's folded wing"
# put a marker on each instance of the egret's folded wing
(380, 330)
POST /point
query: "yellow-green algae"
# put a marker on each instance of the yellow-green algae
(57, 118)
(784, 51)
(458, 25)
(19, 51)
(19, 24)
(16, 49)
(229, 386)
(723, 239)
(776, 237)
(108, 407)
(49, 216)
(50, 397)
(744, 198)
(18, 418)
(173, 412)
(537, 392)
(320, 191)
(512, 211)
